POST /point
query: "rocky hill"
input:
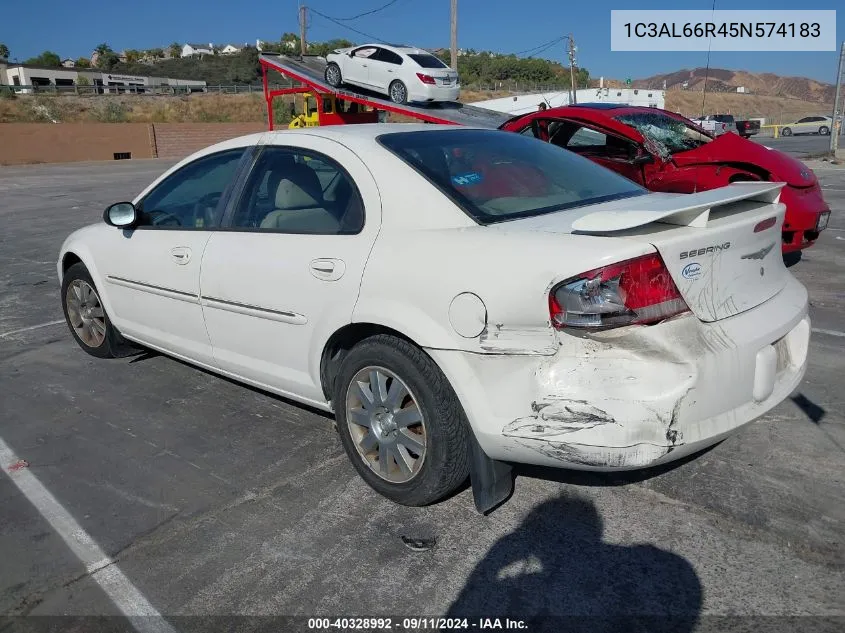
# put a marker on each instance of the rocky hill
(721, 80)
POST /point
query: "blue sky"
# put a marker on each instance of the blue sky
(74, 28)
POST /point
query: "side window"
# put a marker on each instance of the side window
(390, 57)
(367, 51)
(587, 137)
(190, 197)
(298, 191)
(806, 119)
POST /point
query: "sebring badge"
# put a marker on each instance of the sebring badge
(759, 254)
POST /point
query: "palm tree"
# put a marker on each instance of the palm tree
(103, 48)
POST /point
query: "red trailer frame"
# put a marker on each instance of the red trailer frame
(308, 72)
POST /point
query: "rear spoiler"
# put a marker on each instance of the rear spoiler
(691, 209)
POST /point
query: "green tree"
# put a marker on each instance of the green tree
(83, 81)
(132, 55)
(156, 53)
(324, 48)
(108, 60)
(103, 49)
(47, 58)
(4, 51)
(175, 49)
(83, 62)
(290, 42)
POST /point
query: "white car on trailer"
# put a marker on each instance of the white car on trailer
(460, 298)
(402, 73)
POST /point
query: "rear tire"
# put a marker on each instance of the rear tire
(333, 75)
(824, 130)
(374, 422)
(398, 92)
(86, 316)
(786, 132)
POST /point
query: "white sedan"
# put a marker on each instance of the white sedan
(402, 73)
(461, 299)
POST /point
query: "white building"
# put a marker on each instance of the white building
(68, 63)
(31, 78)
(231, 49)
(523, 104)
(189, 50)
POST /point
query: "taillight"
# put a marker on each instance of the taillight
(639, 290)
(426, 79)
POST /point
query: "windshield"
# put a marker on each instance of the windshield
(496, 176)
(427, 61)
(668, 134)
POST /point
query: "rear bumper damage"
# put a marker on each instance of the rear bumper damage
(636, 396)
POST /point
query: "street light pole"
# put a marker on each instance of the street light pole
(574, 88)
(454, 32)
(836, 124)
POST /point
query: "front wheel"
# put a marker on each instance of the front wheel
(86, 316)
(400, 422)
(398, 92)
(786, 132)
(824, 130)
(333, 75)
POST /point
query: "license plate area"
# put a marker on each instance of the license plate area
(821, 223)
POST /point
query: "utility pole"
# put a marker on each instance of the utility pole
(302, 45)
(836, 124)
(454, 42)
(572, 69)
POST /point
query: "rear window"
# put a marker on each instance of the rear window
(496, 176)
(428, 61)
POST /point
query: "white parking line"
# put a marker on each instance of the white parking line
(31, 327)
(127, 598)
(828, 332)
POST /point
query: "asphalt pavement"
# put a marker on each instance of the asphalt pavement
(208, 498)
(800, 145)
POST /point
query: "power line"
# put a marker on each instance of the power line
(544, 48)
(346, 26)
(541, 46)
(370, 12)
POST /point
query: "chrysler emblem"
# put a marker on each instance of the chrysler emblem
(759, 254)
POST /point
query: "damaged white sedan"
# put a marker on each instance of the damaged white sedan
(461, 299)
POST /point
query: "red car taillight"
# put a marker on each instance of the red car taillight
(639, 290)
(426, 79)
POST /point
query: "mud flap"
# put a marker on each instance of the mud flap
(492, 480)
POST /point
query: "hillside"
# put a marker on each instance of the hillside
(721, 80)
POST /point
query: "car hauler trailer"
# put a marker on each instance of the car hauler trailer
(336, 106)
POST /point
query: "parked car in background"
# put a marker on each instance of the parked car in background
(667, 152)
(809, 125)
(747, 128)
(402, 73)
(717, 124)
(590, 328)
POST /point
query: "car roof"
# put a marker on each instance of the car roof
(365, 131)
(403, 49)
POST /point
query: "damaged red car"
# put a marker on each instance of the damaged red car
(665, 152)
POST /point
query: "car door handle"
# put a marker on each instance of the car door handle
(181, 254)
(328, 269)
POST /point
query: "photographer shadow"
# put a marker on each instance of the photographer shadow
(554, 573)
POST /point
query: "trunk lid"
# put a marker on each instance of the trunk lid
(721, 247)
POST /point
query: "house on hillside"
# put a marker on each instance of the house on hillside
(190, 50)
(68, 63)
(231, 49)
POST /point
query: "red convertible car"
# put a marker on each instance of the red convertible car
(664, 151)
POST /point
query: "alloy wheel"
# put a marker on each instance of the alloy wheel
(397, 92)
(85, 313)
(386, 424)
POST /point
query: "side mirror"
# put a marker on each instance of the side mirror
(120, 214)
(351, 53)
